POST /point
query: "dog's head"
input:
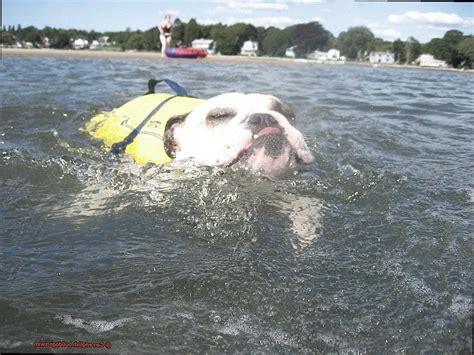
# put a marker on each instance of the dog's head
(250, 131)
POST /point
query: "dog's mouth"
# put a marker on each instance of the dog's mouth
(267, 131)
(269, 138)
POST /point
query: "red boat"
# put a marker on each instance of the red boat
(185, 53)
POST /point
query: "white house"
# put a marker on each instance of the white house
(104, 41)
(382, 57)
(332, 56)
(249, 48)
(94, 44)
(80, 43)
(290, 52)
(427, 60)
(319, 56)
(45, 42)
(207, 44)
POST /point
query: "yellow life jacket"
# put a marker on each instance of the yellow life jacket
(148, 146)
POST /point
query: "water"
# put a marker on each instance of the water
(367, 250)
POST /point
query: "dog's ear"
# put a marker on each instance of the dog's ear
(283, 108)
(170, 143)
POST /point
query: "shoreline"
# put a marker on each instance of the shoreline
(136, 55)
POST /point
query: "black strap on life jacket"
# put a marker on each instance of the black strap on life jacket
(119, 147)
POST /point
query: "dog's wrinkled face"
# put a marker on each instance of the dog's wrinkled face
(245, 131)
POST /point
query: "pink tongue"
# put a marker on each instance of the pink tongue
(267, 131)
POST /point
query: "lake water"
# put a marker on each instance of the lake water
(367, 250)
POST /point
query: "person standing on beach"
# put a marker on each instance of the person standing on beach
(165, 33)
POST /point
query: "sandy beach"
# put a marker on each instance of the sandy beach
(137, 55)
(134, 55)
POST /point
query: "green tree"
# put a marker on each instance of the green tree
(191, 32)
(308, 37)
(275, 42)
(135, 41)
(466, 50)
(380, 45)
(92, 35)
(451, 40)
(177, 32)
(206, 31)
(398, 48)
(7, 38)
(243, 32)
(354, 42)
(446, 48)
(332, 43)
(151, 40)
(30, 34)
(226, 41)
(413, 49)
(59, 39)
(437, 48)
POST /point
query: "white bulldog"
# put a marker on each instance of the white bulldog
(249, 131)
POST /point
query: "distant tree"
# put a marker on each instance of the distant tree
(191, 32)
(226, 41)
(121, 39)
(243, 32)
(331, 42)
(92, 35)
(451, 40)
(30, 34)
(18, 28)
(354, 42)
(260, 35)
(7, 38)
(466, 50)
(177, 32)
(453, 36)
(308, 37)
(60, 40)
(446, 48)
(151, 40)
(413, 49)
(398, 48)
(206, 31)
(135, 41)
(437, 48)
(380, 45)
(275, 42)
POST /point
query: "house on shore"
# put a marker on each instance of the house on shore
(290, 52)
(94, 44)
(207, 44)
(249, 48)
(333, 56)
(80, 43)
(382, 57)
(427, 60)
(45, 41)
(104, 41)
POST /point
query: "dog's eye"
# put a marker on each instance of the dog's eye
(218, 115)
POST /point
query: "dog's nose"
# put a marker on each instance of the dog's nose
(261, 120)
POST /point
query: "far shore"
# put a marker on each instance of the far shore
(43, 52)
